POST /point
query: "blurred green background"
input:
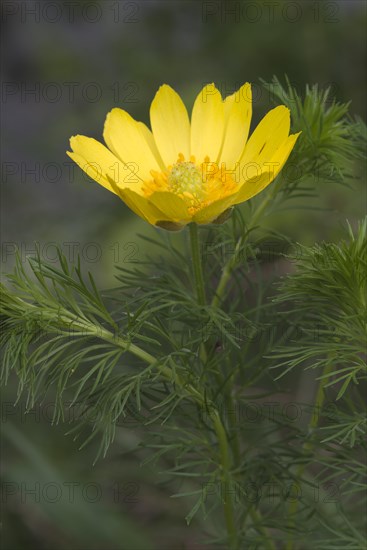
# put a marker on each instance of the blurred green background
(65, 65)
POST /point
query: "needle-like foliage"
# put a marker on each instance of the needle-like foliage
(212, 388)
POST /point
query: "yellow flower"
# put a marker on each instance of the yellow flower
(182, 171)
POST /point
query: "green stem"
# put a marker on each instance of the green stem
(231, 264)
(196, 262)
(261, 208)
(255, 515)
(231, 412)
(224, 448)
(226, 274)
(307, 446)
(218, 296)
(226, 479)
(199, 278)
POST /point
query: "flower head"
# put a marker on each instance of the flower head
(186, 171)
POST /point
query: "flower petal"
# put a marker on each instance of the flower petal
(126, 139)
(282, 153)
(172, 206)
(213, 210)
(254, 185)
(96, 161)
(270, 133)
(207, 124)
(141, 206)
(170, 124)
(148, 136)
(237, 112)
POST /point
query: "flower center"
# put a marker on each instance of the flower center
(185, 178)
(197, 185)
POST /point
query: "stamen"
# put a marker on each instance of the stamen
(199, 186)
